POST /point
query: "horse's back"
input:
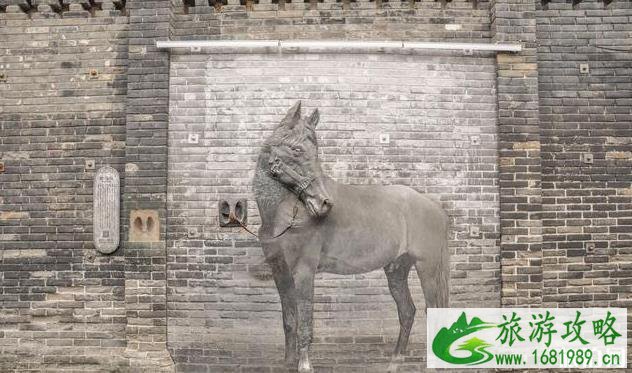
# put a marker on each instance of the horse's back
(417, 205)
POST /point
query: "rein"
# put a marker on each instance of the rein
(233, 219)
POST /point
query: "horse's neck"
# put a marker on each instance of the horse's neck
(268, 192)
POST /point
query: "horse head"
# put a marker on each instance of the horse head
(293, 160)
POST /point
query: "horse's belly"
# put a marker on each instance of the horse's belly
(363, 233)
(354, 255)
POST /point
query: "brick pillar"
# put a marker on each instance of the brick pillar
(145, 190)
(519, 154)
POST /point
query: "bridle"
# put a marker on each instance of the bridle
(302, 182)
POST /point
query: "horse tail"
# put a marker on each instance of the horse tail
(443, 288)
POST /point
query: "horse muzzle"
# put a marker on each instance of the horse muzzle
(316, 198)
(319, 207)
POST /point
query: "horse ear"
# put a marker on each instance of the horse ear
(292, 116)
(313, 119)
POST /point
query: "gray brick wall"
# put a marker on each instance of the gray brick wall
(561, 224)
(146, 184)
(220, 295)
(587, 206)
(61, 304)
(519, 154)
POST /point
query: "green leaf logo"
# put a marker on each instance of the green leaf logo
(461, 328)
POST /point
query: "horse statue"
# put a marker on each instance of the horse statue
(311, 224)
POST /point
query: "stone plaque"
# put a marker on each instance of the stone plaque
(106, 210)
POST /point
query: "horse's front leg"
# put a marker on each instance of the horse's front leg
(304, 288)
(285, 286)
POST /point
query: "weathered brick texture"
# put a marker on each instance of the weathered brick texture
(519, 154)
(440, 114)
(145, 186)
(587, 205)
(62, 102)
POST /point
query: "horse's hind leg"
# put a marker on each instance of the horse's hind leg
(428, 275)
(397, 275)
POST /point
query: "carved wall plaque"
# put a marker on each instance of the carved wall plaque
(144, 226)
(106, 210)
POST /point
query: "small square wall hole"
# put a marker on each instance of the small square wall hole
(584, 68)
(193, 232)
(193, 138)
(590, 248)
(90, 164)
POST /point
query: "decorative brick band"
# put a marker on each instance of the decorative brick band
(204, 6)
(62, 8)
(545, 3)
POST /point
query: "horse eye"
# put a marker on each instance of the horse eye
(275, 166)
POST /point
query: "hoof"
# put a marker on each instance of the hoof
(305, 370)
(291, 361)
(394, 364)
(392, 368)
(291, 364)
(304, 366)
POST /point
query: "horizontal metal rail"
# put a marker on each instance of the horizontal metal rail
(335, 46)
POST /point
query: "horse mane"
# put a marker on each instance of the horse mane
(295, 135)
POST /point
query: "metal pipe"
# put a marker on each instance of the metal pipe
(331, 45)
(214, 44)
(492, 47)
(339, 44)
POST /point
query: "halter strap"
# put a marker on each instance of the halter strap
(302, 182)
